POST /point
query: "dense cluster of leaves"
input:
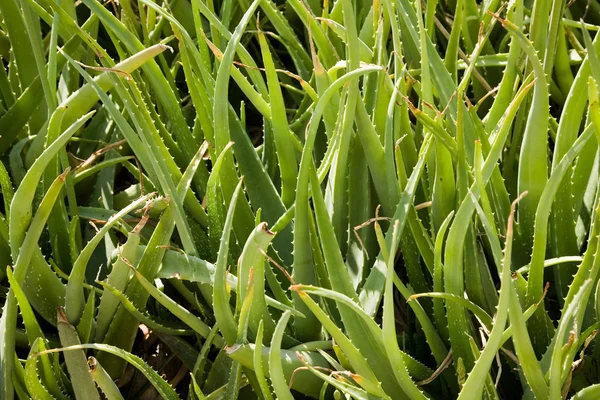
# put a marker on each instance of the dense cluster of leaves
(393, 199)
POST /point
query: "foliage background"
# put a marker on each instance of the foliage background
(258, 199)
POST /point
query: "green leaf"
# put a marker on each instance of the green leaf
(162, 387)
(74, 298)
(103, 380)
(82, 382)
(280, 386)
(222, 310)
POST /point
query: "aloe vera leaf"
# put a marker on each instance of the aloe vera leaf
(506, 89)
(533, 169)
(222, 30)
(220, 111)
(253, 258)
(371, 293)
(19, 381)
(8, 193)
(337, 188)
(15, 119)
(589, 269)
(215, 205)
(389, 329)
(218, 374)
(450, 60)
(453, 275)
(79, 102)
(33, 331)
(15, 162)
(176, 309)
(35, 37)
(588, 393)
(162, 90)
(594, 114)
(477, 311)
(141, 152)
(199, 367)
(243, 312)
(338, 275)
(568, 318)
(326, 50)
(438, 278)
(117, 278)
(361, 201)
(299, 55)
(374, 154)
(489, 389)
(223, 313)
(303, 381)
(258, 365)
(83, 385)
(149, 264)
(562, 65)
(302, 269)
(478, 375)
(539, 28)
(233, 383)
(561, 219)
(85, 98)
(530, 365)
(554, 261)
(243, 224)
(550, 48)
(539, 245)
(74, 298)
(366, 53)
(485, 201)
(21, 46)
(103, 380)
(32, 379)
(260, 188)
(365, 358)
(58, 222)
(31, 324)
(280, 386)
(476, 271)
(322, 82)
(160, 162)
(86, 325)
(21, 204)
(444, 190)
(142, 317)
(524, 349)
(286, 154)
(34, 231)
(193, 269)
(342, 385)
(197, 390)
(24, 261)
(163, 388)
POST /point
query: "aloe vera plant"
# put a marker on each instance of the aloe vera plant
(218, 199)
